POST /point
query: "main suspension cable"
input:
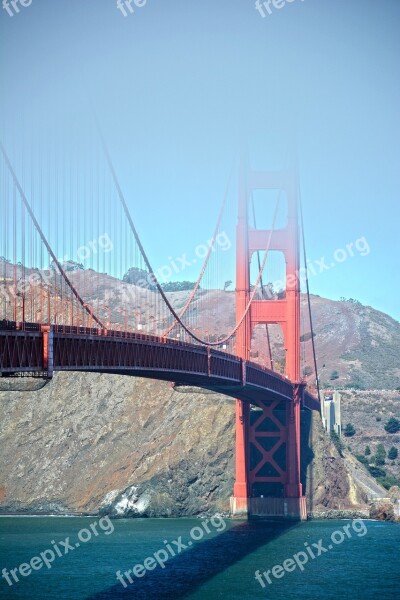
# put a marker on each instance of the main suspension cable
(308, 293)
(151, 271)
(210, 250)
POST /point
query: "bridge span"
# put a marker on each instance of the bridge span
(61, 315)
(32, 348)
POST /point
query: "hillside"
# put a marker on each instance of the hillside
(361, 343)
(369, 411)
(89, 442)
(357, 346)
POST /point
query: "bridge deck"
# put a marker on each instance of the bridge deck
(22, 349)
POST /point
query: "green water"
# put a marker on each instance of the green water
(362, 564)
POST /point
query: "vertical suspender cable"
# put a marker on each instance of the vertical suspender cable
(27, 206)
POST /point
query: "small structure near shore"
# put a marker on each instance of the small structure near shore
(331, 412)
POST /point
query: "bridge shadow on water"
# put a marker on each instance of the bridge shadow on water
(186, 572)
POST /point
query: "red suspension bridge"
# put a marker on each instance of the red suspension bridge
(70, 304)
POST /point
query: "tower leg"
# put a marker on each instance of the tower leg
(295, 502)
(293, 487)
(240, 498)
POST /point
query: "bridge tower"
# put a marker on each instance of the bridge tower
(268, 435)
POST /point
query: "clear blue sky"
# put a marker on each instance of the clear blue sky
(178, 84)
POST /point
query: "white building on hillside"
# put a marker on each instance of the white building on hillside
(330, 409)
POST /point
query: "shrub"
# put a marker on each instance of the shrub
(393, 453)
(142, 278)
(367, 451)
(349, 430)
(227, 284)
(136, 276)
(380, 455)
(334, 375)
(178, 286)
(376, 472)
(306, 336)
(70, 265)
(362, 459)
(337, 442)
(393, 425)
(351, 300)
(388, 481)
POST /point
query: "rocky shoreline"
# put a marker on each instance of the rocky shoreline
(376, 512)
(329, 515)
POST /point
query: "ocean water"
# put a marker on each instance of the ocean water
(218, 559)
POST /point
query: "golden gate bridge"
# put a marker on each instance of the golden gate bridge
(59, 315)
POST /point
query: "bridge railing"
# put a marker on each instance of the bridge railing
(135, 351)
(21, 351)
(257, 375)
(225, 365)
(19, 326)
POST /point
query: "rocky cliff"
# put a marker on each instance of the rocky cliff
(125, 446)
